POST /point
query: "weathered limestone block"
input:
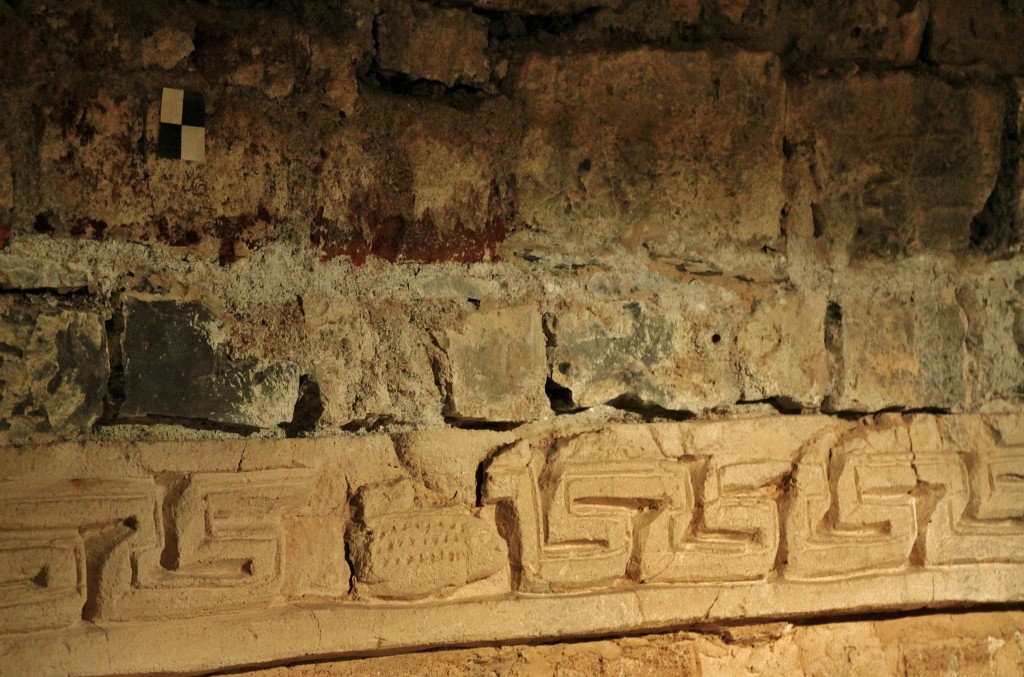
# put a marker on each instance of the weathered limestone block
(371, 365)
(993, 307)
(675, 151)
(976, 507)
(981, 31)
(897, 348)
(780, 351)
(316, 551)
(902, 163)
(176, 365)
(422, 41)
(653, 20)
(176, 536)
(28, 273)
(53, 367)
(884, 31)
(497, 366)
(709, 346)
(403, 548)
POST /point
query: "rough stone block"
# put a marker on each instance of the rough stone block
(902, 162)
(675, 151)
(97, 182)
(446, 45)
(705, 348)
(333, 67)
(420, 181)
(267, 56)
(980, 31)
(176, 365)
(31, 273)
(54, 369)
(780, 350)
(497, 367)
(900, 348)
(881, 31)
(994, 309)
(166, 48)
(371, 365)
(1015, 169)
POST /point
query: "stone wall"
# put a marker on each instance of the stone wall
(490, 321)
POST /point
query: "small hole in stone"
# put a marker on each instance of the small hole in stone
(715, 338)
(131, 523)
(42, 579)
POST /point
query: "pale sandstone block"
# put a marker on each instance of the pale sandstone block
(497, 366)
(612, 155)
(902, 162)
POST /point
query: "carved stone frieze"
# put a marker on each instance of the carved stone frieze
(575, 530)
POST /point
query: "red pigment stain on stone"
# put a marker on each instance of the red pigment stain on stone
(394, 237)
(5, 231)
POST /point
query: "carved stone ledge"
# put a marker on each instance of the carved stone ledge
(193, 557)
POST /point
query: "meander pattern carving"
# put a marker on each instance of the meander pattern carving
(593, 510)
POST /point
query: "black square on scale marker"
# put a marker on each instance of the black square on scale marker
(182, 134)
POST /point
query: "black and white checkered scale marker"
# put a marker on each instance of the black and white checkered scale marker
(182, 125)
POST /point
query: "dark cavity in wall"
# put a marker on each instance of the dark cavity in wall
(309, 407)
(997, 228)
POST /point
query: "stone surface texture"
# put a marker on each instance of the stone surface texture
(961, 644)
(507, 322)
(241, 549)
